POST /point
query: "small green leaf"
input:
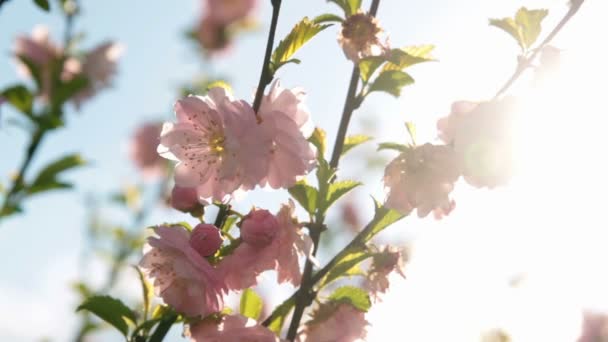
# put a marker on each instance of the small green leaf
(347, 266)
(163, 327)
(353, 141)
(403, 58)
(219, 84)
(110, 310)
(510, 26)
(306, 195)
(530, 23)
(228, 223)
(327, 18)
(391, 81)
(47, 186)
(20, 98)
(383, 217)
(68, 89)
(279, 315)
(392, 146)
(349, 7)
(43, 4)
(251, 304)
(299, 35)
(51, 171)
(337, 190)
(352, 295)
(324, 174)
(368, 65)
(411, 130)
(147, 291)
(319, 140)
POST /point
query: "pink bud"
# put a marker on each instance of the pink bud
(205, 239)
(185, 199)
(259, 228)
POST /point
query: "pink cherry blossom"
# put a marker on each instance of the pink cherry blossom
(228, 11)
(206, 239)
(335, 322)
(361, 36)
(99, 67)
(186, 200)
(384, 263)
(594, 327)
(218, 143)
(247, 262)
(286, 120)
(143, 147)
(212, 36)
(231, 328)
(422, 178)
(482, 138)
(259, 228)
(181, 276)
(350, 216)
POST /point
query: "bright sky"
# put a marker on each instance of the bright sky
(547, 225)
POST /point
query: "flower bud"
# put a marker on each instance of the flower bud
(206, 239)
(259, 228)
(186, 200)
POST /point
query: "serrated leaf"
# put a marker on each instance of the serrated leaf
(251, 304)
(530, 23)
(337, 190)
(346, 267)
(349, 7)
(391, 81)
(20, 98)
(51, 171)
(319, 140)
(110, 310)
(43, 4)
(391, 146)
(327, 18)
(299, 35)
(353, 141)
(279, 314)
(383, 217)
(410, 55)
(352, 295)
(306, 195)
(368, 65)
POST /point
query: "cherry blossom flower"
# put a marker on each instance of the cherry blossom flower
(335, 322)
(228, 11)
(361, 36)
(218, 143)
(422, 178)
(282, 254)
(286, 120)
(594, 328)
(143, 147)
(180, 274)
(212, 36)
(230, 328)
(384, 263)
(99, 67)
(482, 138)
(206, 239)
(186, 200)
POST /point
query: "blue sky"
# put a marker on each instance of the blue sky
(40, 248)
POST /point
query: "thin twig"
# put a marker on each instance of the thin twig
(265, 76)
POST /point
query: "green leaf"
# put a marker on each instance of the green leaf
(324, 174)
(219, 84)
(20, 98)
(510, 26)
(306, 195)
(43, 4)
(147, 291)
(530, 23)
(368, 65)
(327, 18)
(163, 328)
(411, 130)
(49, 174)
(383, 217)
(299, 35)
(319, 140)
(251, 304)
(47, 186)
(352, 295)
(279, 315)
(353, 141)
(405, 57)
(349, 7)
(347, 266)
(33, 69)
(337, 190)
(228, 223)
(391, 81)
(68, 89)
(110, 310)
(392, 146)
